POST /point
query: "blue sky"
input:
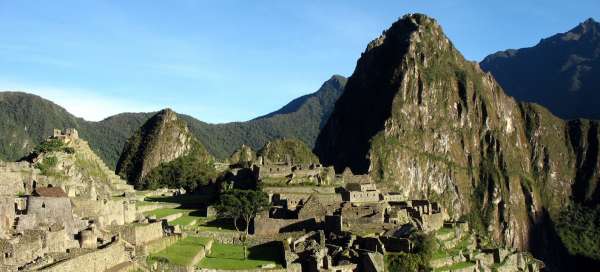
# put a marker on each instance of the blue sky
(223, 61)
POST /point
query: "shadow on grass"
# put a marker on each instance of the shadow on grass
(222, 223)
(271, 251)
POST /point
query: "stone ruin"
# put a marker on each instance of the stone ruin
(65, 224)
(66, 135)
(284, 173)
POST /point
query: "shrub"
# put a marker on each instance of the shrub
(418, 259)
(47, 165)
(188, 172)
(578, 227)
(49, 146)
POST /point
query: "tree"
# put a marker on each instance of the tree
(188, 172)
(416, 260)
(242, 204)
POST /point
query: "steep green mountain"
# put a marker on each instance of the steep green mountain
(162, 139)
(422, 120)
(560, 72)
(301, 119)
(26, 120)
(284, 150)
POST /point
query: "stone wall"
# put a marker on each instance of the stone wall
(362, 196)
(7, 215)
(157, 245)
(366, 214)
(300, 190)
(47, 211)
(106, 211)
(22, 249)
(96, 261)
(270, 226)
(59, 240)
(17, 178)
(432, 222)
(138, 234)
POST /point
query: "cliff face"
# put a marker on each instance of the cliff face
(425, 122)
(163, 138)
(244, 155)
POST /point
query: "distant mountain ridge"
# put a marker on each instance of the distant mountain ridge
(26, 120)
(561, 72)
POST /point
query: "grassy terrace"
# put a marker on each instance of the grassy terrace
(445, 230)
(182, 252)
(187, 201)
(231, 257)
(160, 213)
(185, 220)
(455, 266)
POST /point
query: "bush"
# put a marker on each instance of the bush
(49, 146)
(418, 259)
(404, 262)
(186, 172)
(47, 165)
(578, 227)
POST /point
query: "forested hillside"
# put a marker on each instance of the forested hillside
(26, 119)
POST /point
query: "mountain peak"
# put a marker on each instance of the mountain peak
(589, 22)
(163, 138)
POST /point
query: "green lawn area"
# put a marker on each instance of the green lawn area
(438, 254)
(185, 220)
(190, 201)
(445, 230)
(182, 252)
(160, 213)
(214, 224)
(231, 257)
(144, 203)
(456, 266)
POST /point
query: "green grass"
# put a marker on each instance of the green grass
(231, 257)
(186, 200)
(160, 213)
(456, 266)
(212, 224)
(185, 220)
(182, 252)
(445, 230)
(144, 203)
(439, 254)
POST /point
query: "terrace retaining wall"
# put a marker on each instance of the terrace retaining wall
(96, 261)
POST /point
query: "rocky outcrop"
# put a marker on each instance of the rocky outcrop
(69, 163)
(244, 155)
(161, 139)
(418, 117)
(287, 151)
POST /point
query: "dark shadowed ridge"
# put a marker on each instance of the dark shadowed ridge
(560, 72)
